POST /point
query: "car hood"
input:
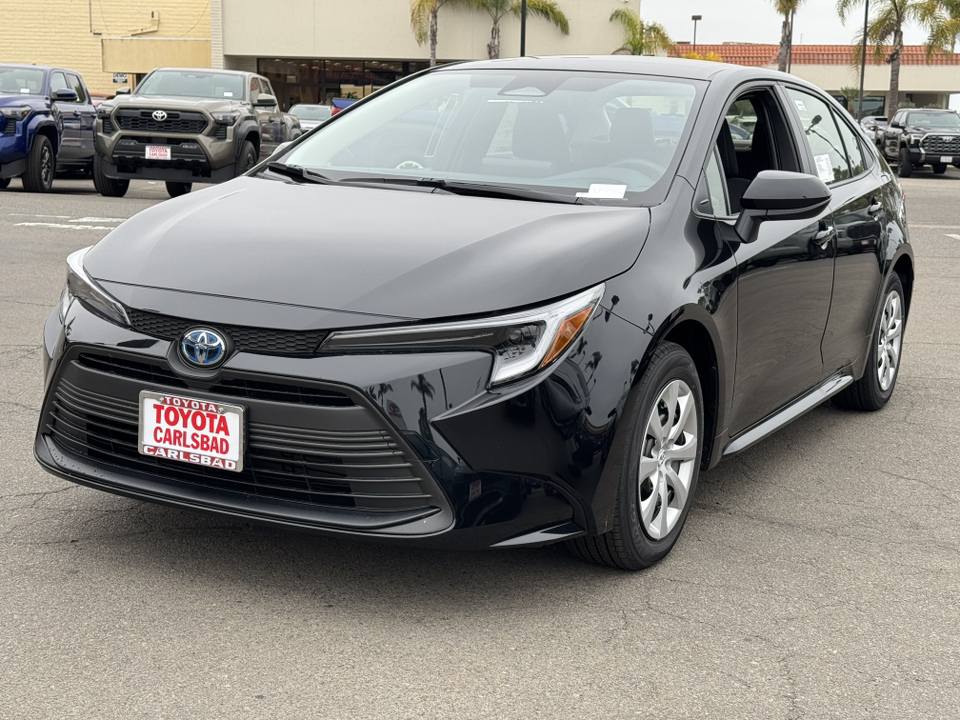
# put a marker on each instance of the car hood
(20, 99)
(175, 103)
(934, 130)
(397, 253)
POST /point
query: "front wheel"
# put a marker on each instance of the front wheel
(660, 469)
(176, 189)
(939, 168)
(107, 186)
(246, 159)
(905, 165)
(41, 165)
(874, 389)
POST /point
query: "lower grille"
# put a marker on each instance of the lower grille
(108, 128)
(937, 145)
(221, 133)
(10, 128)
(247, 339)
(360, 466)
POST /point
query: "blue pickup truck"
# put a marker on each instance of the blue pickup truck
(46, 125)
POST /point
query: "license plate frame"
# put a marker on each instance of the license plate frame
(181, 448)
(946, 159)
(158, 152)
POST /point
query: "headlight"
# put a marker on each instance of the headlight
(521, 343)
(915, 139)
(226, 118)
(85, 289)
(15, 113)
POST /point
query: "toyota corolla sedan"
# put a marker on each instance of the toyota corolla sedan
(560, 290)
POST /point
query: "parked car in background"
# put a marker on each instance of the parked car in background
(874, 126)
(915, 138)
(341, 104)
(184, 125)
(543, 321)
(46, 125)
(311, 115)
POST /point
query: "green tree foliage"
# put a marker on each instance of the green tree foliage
(639, 37)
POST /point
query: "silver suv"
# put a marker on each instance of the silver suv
(185, 125)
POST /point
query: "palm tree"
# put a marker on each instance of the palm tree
(885, 33)
(943, 19)
(498, 9)
(787, 8)
(422, 386)
(423, 20)
(639, 37)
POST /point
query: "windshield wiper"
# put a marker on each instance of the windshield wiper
(459, 187)
(299, 173)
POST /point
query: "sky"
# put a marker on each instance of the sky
(754, 21)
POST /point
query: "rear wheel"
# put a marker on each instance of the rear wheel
(874, 389)
(41, 165)
(661, 466)
(176, 189)
(246, 159)
(905, 167)
(106, 186)
(939, 168)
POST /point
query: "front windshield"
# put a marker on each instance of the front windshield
(21, 81)
(595, 135)
(940, 120)
(192, 83)
(311, 112)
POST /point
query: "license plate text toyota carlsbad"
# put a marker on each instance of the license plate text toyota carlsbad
(193, 431)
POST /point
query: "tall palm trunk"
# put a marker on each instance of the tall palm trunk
(493, 49)
(433, 36)
(893, 100)
(786, 40)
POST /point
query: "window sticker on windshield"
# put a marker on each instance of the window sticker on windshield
(824, 168)
(800, 106)
(25, 91)
(228, 94)
(604, 192)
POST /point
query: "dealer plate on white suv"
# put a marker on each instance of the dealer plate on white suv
(192, 431)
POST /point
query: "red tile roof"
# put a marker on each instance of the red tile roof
(760, 55)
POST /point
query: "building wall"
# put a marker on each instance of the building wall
(938, 79)
(381, 29)
(69, 33)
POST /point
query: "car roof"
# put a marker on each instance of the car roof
(206, 70)
(641, 65)
(45, 68)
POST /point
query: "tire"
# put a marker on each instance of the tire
(246, 159)
(176, 189)
(645, 528)
(41, 166)
(108, 187)
(874, 389)
(4, 182)
(905, 166)
(939, 168)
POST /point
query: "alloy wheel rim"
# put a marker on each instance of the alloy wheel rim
(667, 460)
(889, 338)
(46, 169)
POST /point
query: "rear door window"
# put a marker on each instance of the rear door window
(822, 135)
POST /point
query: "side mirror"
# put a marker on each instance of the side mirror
(65, 95)
(896, 125)
(779, 195)
(123, 91)
(265, 100)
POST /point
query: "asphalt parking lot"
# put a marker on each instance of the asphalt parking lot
(818, 575)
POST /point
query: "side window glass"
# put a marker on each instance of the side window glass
(58, 82)
(78, 88)
(254, 89)
(742, 119)
(716, 191)
(822, 136)
(852, 145)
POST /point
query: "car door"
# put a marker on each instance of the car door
(891, 138)
(268, 118)
(858, 212)
(70, 145)
(785, 276)
(87, 116)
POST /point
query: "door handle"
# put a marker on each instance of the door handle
(825, 235)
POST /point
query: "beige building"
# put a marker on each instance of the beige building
(98, 38)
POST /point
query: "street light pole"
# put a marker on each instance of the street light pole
(863, 58)
(523, 28)
(696, 19)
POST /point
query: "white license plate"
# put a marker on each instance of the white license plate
(193, 431)
(947, 159)
(158, 152)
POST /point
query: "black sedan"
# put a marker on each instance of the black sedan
(557, 290)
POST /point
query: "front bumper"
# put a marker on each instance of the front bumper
(933, 155)
(434, 459)
(13, 151)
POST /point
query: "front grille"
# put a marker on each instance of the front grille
(177, 122)
(229, 387)
(941, 145)
(246, 339)
(360, 469)
(108, 128)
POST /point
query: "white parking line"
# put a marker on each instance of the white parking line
(98, 219)
(59, 217)
(64, 226)
(955, 237)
